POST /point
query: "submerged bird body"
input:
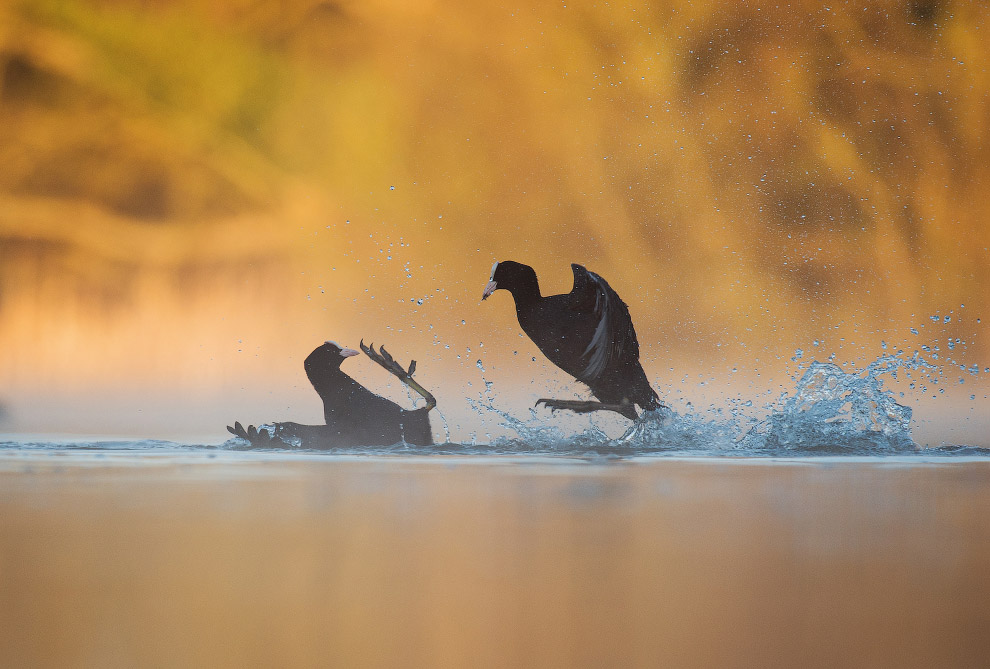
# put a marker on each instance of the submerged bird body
(587, 332)
(354, 415)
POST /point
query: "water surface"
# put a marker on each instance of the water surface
(176, 555)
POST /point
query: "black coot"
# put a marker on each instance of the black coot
(354, 415)
(587, 333)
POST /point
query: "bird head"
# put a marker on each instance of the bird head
(327, 357)
(509, 275)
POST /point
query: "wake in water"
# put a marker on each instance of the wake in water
(831, 412)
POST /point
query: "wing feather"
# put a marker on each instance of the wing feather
(614, 338)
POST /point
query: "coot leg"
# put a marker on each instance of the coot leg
(582, 406)
(385, 359)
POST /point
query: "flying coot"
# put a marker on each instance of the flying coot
(354, 415)
(587, 333)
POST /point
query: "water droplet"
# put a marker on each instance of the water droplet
(914, 331)
(480, 366)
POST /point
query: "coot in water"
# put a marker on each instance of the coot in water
(354, 415)
(587, 333)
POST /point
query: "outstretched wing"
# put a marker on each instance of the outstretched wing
(614, 338)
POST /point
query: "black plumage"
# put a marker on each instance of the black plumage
(354, 415)
(587, 332)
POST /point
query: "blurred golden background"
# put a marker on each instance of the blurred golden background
(192, 198)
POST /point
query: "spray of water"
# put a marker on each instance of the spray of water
(831, 411)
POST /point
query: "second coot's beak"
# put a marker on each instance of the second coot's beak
(491, 286)
(348, 352)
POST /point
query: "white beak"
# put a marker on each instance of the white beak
(490, 288)
(348, 352)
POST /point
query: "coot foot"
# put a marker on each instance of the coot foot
(254, 435)
(582, 406)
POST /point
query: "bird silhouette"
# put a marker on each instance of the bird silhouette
(587, 332)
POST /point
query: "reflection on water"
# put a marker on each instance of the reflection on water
(249, 559)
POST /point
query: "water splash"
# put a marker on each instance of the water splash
(831, 411)
(667, 430)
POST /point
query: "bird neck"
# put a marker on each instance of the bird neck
(328, 382)
(525, 292)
